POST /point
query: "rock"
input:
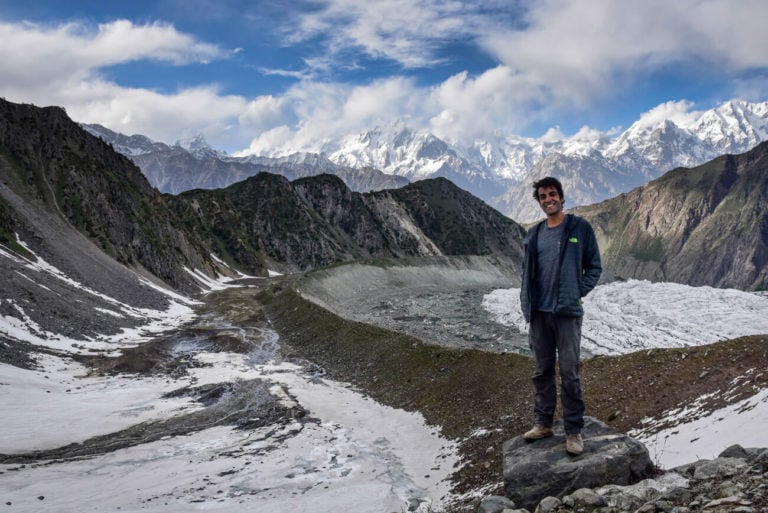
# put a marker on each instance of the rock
(623, 501)
(495, 504)
(727, 489)
(588, 497)
(719, 467)
(648, 507)
(726, 501)
(670, 486)
(548, 505)
(542, 468)
(734, 451)
(679, 495)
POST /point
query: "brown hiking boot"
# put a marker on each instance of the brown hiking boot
(538, 432)
(574, 445)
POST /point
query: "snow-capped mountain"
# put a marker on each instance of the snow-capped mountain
(734, 127)
(199, 148)
(128, 145)
(416, 155)
(592, 166)
(192, 164)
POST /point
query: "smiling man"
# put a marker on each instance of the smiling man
(562, 265)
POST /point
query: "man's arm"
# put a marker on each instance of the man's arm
(591, 266)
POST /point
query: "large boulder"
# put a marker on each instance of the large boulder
(534, 470)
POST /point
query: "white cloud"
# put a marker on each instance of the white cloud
(562, 56)
(61, 66)
(577, 51)
(263, 113)
(401, 30)
(34, 54)
(271, 142)
(155, 115)
(122, 41)
(466, 106)
(679, 112)
(587, 133)
(325, 112)
(553, 135)
(566, 56)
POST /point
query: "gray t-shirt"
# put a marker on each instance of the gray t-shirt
(547, 256)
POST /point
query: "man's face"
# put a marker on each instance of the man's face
(550, 201)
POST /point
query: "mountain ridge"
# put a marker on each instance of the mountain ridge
(706, 225)
(261, 221)
(498, 169)
(318, 220)
(81, 228)
(49, 164)
(193, 164)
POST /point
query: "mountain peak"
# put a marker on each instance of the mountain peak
(198, 147)
(499, 168)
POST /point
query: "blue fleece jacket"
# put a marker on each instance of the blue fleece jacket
(578, 270)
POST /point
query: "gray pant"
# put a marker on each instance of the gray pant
(555, 337)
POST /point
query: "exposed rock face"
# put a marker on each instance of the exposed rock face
(318, 220)
(542, 468)
(445, 213)
(81, 234)
(702, 226)
(50, 165)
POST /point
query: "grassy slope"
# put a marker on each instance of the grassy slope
(463, 390)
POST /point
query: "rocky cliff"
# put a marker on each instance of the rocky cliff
(318, 220)
(706, 225)
(50, 166)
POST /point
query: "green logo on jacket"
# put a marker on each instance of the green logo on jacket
(574, 240)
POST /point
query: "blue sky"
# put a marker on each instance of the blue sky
(275, 76)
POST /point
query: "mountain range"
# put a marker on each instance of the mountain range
(662, 231)
(85, 240)
(193, 164)
(71, 203)
(592, 167)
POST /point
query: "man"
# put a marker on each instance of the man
(562, 265)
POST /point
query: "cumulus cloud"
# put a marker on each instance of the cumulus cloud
(552, 57)
(61, 65)
(679, 112)
(153, 114)
(34, 54)
(576, 51)
(325, 112)
(564, 56)
(466, 106)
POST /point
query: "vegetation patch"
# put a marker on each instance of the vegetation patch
(648, 249)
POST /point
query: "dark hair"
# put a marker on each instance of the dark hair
(547, 182)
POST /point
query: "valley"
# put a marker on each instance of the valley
(271, 398)
(209, 415)
(298, 341)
